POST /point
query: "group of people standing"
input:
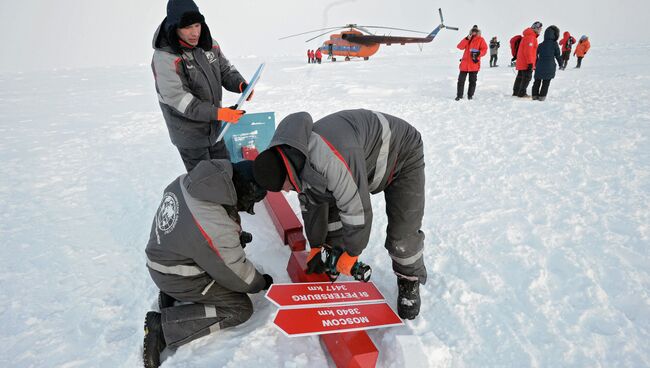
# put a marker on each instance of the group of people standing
(530, 59)
(314, 56)
(195, 254)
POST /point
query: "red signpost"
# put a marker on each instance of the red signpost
(323, 293)
(343, 318)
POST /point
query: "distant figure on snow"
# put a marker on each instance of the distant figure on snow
(494, 51)
(526, 58)
(319, 55)
(308, 56)
(548, 53)
(567, 43)
(475, 48)
(581, 50)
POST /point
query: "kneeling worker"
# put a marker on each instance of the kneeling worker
(195, 255)
(334, 165)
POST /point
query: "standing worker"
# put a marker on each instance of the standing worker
(475, 48)
(319, 55)
(567, 43)
(494, 51)
(190, 68)
(334, 165)
(581, 50)
(526, 58)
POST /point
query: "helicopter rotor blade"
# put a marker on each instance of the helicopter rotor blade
(316, 30)
(363, 29)
(452, 28)
(397, 29)
(442, 20)
(323, 34)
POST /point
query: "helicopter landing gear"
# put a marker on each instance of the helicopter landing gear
(333, 59)
(366, 58)
(347, 58)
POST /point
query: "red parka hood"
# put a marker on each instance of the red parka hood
(530, 32)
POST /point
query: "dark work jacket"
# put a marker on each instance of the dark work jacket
(548, 53)
(188, 82)
(194, 242)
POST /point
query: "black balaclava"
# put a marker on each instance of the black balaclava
(248, 191)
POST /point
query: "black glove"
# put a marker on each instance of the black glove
(245, 238)
(513, 59)
(268, 281)
(315, 262)
(530, 67)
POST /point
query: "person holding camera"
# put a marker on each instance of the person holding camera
(475, 48)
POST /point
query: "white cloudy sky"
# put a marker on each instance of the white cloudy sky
(46, 34)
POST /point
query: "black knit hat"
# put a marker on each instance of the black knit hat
(269, 170)
(248, 190)
(179, 9)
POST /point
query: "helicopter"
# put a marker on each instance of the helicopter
(358, 41)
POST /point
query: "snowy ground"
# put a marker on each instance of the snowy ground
(537, 220)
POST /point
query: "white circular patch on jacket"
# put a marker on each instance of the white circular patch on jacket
(167, 216)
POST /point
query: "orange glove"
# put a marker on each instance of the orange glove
(229, 114)
(345, 263)
(242, 87)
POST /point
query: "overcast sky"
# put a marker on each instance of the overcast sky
(47, 34)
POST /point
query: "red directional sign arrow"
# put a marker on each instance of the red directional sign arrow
(323, 293)
(334, 319)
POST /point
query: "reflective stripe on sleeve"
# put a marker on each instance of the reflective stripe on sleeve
(382, 158)
(180, 270)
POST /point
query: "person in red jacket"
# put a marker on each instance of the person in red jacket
(526, 59)
(567, 43)
(475, 48)
(308, 56)
(319, 56)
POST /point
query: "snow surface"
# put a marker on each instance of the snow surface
(537, 217)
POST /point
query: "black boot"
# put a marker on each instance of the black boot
(408, 298)
(165, 301)
(154, 340)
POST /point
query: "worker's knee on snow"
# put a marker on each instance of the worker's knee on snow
(242, 312)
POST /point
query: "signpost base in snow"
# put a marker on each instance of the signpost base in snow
(285, 221)
(348, 349)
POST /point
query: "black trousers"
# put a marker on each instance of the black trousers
(460, 88)
(493, 60)
(566, 55)
(218, 309)
(192, 156)
(579, 61)
(544, 84)
(521, 82)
